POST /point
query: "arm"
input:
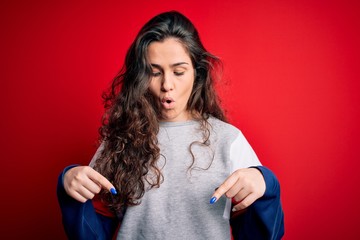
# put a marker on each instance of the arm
(264, 219)
(255, 191)
(80, 220)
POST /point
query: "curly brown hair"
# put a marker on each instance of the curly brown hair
(131, 120)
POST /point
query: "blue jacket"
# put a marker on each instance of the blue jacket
(264, 219)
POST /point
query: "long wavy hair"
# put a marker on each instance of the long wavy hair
(131, 121)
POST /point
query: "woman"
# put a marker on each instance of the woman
(167, 155)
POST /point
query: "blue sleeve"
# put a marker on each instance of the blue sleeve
(264, 219)
(80, 220)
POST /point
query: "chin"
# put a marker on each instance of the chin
(175, 116)
(170, 117)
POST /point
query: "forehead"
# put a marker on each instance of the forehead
(169, 51)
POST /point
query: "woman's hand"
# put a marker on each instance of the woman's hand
(244, 186)
(83, 182)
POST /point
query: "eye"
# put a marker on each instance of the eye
(179, 73)
(156, 74)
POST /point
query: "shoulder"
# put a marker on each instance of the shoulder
(222, 127)
(222, 131)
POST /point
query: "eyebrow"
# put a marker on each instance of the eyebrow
(172, 65)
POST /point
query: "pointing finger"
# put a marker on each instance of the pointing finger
(223, 188)
(100, 179)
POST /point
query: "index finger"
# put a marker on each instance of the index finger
(223, 188)
(104, 182)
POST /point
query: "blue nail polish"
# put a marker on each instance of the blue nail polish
(113, 191)
(212, 200)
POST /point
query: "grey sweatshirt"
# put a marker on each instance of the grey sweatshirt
(179, 208)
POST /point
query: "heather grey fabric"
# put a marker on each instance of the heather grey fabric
(180, 208)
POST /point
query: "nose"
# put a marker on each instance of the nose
(167, 83)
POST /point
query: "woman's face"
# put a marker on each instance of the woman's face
(172, 78)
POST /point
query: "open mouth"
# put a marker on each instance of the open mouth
(167, 102)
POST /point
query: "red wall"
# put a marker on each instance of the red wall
(292, 86)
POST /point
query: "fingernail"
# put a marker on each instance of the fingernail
(233, 209)
(212, 200)
(113, 191)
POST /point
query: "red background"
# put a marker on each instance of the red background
(292, 86)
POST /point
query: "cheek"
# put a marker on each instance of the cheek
(189, 89)
(153, 87)
(190, 85)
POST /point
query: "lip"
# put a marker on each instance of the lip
(167, 102)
